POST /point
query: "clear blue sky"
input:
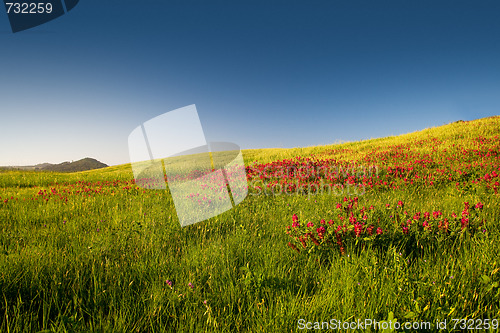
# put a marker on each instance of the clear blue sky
(261, 73)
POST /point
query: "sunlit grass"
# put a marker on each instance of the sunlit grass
(113, 257)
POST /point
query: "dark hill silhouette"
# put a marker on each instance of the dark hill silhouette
(80, 165)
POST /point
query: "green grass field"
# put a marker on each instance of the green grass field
(92, 252)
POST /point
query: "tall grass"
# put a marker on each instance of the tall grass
(113, 257)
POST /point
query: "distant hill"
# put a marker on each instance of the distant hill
(80, 165)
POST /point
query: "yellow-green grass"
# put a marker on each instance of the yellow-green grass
(100, 261)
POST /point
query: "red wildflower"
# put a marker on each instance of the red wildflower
(465, 222)
(426, 225)
(314, 240)
(358, 229)
(293, 247)
(369, 230)
(321, 231)
(303, 241)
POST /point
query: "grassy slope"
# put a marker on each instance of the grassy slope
(454, 133)
(100, 261)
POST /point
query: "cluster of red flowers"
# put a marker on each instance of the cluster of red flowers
(6, 200)
(358, 224)
(428, 162)
(64, 192)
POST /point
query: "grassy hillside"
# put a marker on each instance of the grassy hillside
(402, 228)
(460, 133)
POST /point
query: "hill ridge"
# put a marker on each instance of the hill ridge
(84, 164)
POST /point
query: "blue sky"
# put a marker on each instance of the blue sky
(261, 73)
